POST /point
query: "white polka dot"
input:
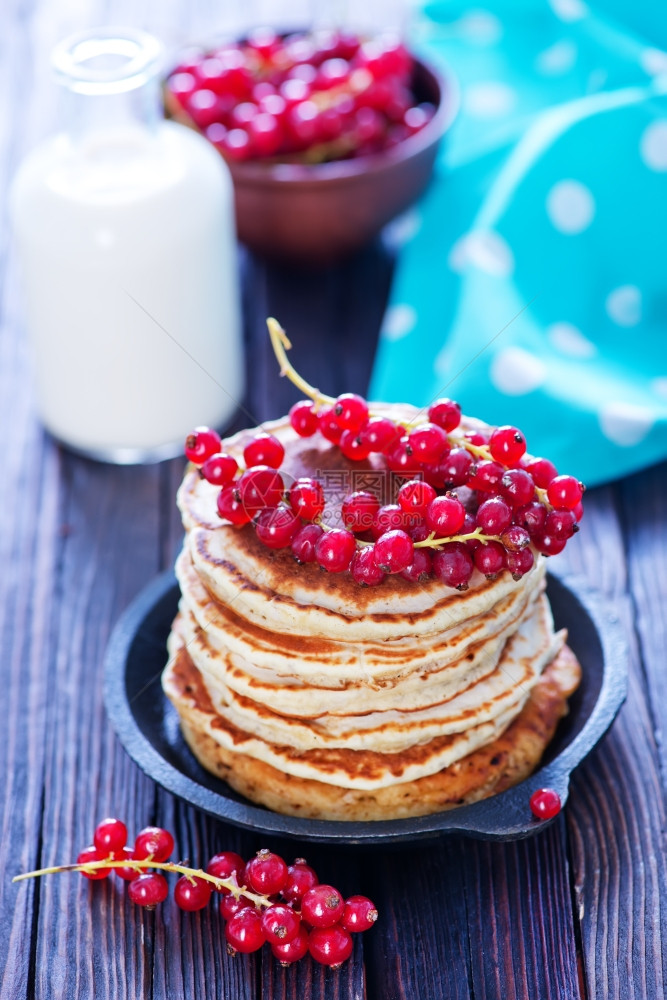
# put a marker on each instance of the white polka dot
(659, 385)
(569, 10)
(557, 59)
(624, 305)
(485, 250)
(401, 230)
(625, 424)
(489, 99)
(567, 338)
(653, 145)
(480, 27)
(399, 321)
(570, 206)
(653, 61)
(516, 372)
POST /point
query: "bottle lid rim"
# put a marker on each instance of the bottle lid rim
(107, 60)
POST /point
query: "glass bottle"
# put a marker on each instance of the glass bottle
(125, 230)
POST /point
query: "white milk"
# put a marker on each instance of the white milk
(126, 239)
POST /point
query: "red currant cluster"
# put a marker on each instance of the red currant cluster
(263, 900)
(516, 504)
(328, 95)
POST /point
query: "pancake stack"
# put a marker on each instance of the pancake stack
(318, 697)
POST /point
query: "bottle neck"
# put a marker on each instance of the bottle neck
(110, 81)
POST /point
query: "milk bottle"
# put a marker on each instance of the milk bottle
(125, 233)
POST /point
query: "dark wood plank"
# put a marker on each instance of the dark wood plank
(420, 946)
(522, 941)
(89, 938)
(616, 817)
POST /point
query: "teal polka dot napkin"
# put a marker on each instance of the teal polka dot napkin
(532, 278)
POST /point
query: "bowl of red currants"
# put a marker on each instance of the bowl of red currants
(328, 136)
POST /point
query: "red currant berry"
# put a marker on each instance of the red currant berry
(359, 915)
(201, 444)
(280, 923)
(266, 873)
(224, 865)
(493, 516)
(219, 469)
(545, 803)
(294, 950)
(230, 906)
(507, 445)
(244, 931)
(420, 567)
(192, 893)
(531, 517)
(277, 526)
(394, 551)
(260, 487)
(401, 459)
(264, 449)
(564, 492)
(148, 889)
(445, 515)
(303, 418)
(364, 569)
(380, 434)
(265, 133)
(542, 471)
(548, 545)
(230, 507)
(578, 511)
(304, 542)
(429, 443)
(153, 842)
(129, 873)
(489, 559)
(445, 413)
(300, 878)
(330, 945)
(353, 447)
(236, 144)
(306, 498)
(515, 538)
(453, 565)
(359, 510)
(89, 854)
(334, 550)
(517, 487)
(486, 477)
(476, 438)
(454, 470)
(350, 411)
(328, 425)
(388, 518)
(519, 563)
(322, 906)
(110, 835)
(415, 496)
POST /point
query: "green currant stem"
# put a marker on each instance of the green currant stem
(281, 344)
(432, 542)
(146, 864)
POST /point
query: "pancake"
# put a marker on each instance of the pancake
(295, 684)
(492, 768)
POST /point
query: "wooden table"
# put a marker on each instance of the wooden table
(577, 911)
